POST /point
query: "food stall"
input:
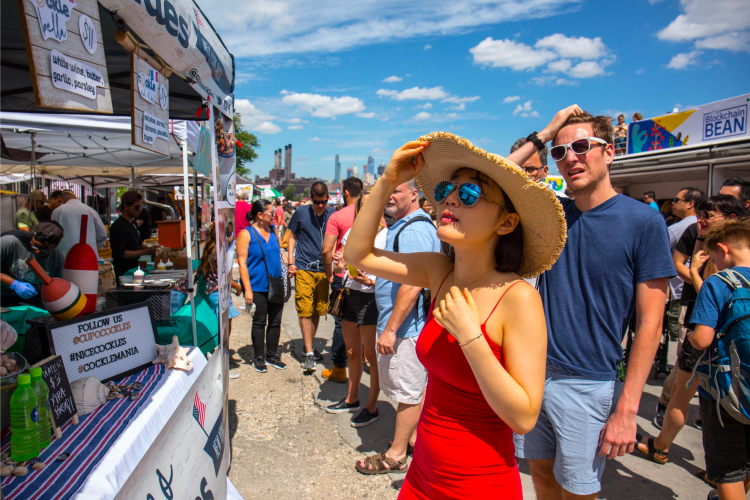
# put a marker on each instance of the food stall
(122, 398)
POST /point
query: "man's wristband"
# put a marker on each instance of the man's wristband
(534, 139)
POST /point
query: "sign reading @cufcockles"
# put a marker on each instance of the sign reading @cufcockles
(74, 76)
(66, 56)
(107, 345)
(149, 95)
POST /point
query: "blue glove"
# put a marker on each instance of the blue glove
(24, 290)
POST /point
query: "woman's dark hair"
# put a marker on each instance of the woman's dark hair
(509, 248)
(727, 205)
(257, 207)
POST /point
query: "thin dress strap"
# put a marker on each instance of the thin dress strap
(440, 288)
(501, 298)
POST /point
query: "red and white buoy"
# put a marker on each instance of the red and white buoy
(81, 267)
(62, 299)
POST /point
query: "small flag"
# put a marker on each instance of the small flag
(199, 409)
(198, 18)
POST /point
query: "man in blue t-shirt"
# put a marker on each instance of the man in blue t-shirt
(616, 261)
(307, 227)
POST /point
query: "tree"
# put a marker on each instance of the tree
(305, 193)
(289, 192)
(246, 154)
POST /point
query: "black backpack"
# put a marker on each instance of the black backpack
(426, 294)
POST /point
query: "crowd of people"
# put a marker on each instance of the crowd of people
(434, 265)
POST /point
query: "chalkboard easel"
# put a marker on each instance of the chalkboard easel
(62, 407)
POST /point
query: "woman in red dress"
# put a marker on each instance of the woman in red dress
(485, 344)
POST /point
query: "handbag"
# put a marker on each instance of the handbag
(336, 301)
(275, 285)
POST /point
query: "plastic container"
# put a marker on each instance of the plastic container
(161, 266)
(24, 421)
(150, 267)
(42, 392)
(169, 264)
(138, 276)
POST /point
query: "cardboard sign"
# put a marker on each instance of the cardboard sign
(62, 407)
(189, 458)
(108, 345)
(149, 95)
(66, 54)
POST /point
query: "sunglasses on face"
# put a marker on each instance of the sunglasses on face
(319, 202)
(705, 214)
(468, 193)
(677, 200)
(532, 170)
(579, 147)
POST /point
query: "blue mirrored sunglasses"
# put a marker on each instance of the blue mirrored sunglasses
(468, 193)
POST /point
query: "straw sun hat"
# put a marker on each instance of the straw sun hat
(542, 216)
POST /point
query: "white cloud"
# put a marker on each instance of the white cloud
(392, 79)
(461, 100)
(422, 116)
(324, 106)
(315, 139)
(296, 127)
(427, 105)
(269, 27)
(736, 42)
(525, 107)
(427, 47)
(682, 61)
(586, 69)
(551, 80)
(416, 93)
(640, 71)
(294, 120)
(572, 47)
(460, 107)
(509, 54)
(560, 66)
(511, 98)
(254, 119)
(702, 19)
(367, 115)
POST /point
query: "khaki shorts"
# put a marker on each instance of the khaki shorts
(402, 376)
(311, 293)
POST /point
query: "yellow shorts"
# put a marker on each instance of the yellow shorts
(311, 293)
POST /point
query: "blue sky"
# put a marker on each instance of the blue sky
(361, 77)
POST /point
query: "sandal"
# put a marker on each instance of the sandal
(409, 448)
(375, 464)
(651, 451)
(701, 474)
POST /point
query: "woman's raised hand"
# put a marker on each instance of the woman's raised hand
(458, 314)
(405, 163)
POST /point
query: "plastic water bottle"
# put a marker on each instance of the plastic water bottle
(42, 392)
(24, 418)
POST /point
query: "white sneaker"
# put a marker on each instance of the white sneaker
(234, 373)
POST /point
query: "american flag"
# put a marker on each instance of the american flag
(199, 409)
(198, 18)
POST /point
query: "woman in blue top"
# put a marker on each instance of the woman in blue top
(253, 243)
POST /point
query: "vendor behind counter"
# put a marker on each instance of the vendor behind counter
(18, 283)
(124, 238)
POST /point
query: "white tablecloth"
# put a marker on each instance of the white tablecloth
(106, 479)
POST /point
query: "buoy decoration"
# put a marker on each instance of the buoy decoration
(62, 299)
(81, 267)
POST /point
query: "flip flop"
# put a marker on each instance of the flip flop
(701, 474)
(651, 451)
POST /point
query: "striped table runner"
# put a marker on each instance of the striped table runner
(86, 442)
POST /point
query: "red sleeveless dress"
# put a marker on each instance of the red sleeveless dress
(464, 450)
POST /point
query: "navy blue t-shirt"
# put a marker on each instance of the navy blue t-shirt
(589, 294)
(309, 229)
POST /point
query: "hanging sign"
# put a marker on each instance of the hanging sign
(183, 37)
(149, 106)
(66, 59)
(190, 457)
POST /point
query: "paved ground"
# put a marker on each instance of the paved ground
(285, 445)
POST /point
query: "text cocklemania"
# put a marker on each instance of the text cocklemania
(107, 360)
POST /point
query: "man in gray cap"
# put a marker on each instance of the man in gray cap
(18, 283)
(25, 216)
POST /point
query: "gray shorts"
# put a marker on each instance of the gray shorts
(574, 411)
(402, 376)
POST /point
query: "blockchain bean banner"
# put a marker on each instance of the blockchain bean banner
(717, 121)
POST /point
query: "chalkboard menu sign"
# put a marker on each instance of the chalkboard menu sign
(62, 407)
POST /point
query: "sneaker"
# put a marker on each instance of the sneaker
(317, 355)
(698, 423)
(309, 365)
(276, 362)
(335, 374)
(259, 363)
(234, 373)
(661, 410)
(713, 495)
(365, 418)
(343, 407)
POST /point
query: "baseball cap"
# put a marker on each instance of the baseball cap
(130, 197)
(49, 232)
(37, 195)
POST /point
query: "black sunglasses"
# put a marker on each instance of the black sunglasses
(468, 193)
(320, 202)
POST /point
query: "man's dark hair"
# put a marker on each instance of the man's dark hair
(319, 189)
(55, 195)
(353, 185)
(650, 194)
(693, 194)
(601, 125)
(161, 199)
(743, 185)
(130, 197)
(726, 204)
(542, 152)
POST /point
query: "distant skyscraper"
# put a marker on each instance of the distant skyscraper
(349, 173)
(381, 169)
(354, 170)
(371, 164)
(337, 171)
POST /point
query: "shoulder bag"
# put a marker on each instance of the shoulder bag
(275, 285)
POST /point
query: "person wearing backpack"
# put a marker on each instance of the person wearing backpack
(722, 326)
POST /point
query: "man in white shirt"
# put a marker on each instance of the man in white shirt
(69, 216)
